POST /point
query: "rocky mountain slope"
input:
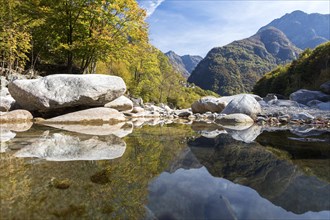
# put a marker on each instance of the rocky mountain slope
(302, 29)
(184, 64)
(236, 67)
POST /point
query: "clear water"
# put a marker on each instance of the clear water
(164, 172)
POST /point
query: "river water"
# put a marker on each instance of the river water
(169, 171)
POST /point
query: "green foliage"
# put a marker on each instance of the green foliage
(235, 68)
(150, 75)
(85, 36)
(14, 35)
(308, 72)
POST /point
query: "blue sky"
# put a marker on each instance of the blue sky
(196, 26)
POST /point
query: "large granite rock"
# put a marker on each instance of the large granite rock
(6, 103)
(6, 100)
(121, 104)
(303, 96)
(89, 116)
(208, 104)
(64, 147)
(16, 116)
(64, 90)
(245, 104)
(235, 119)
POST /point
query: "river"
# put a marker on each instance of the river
(168, 171)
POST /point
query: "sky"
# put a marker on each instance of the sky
(196, 26)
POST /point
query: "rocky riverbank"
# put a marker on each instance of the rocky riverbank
(98, 99)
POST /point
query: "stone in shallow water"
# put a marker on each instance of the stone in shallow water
(64, 147)
(235, 119)
(93, 115)
(208, 104)
(121, 104)
(65, 90)
(245, 104)
(120, 129)
(303, 96)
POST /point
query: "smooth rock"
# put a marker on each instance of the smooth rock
(121, 104)
(16, 116)
(325, 106)
(137, 109)
(120, 129)
(66, 90)
(89, 116)
(313, 103)
(63, 147)
(302, 116)
(208, 104)
(244, 104)
(325, 87)
(234, 119)
(303, 96)
(6, 103)
(270, 97)
(284, 103)
(228, 99)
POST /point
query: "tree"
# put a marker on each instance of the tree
(14, 36)
(83, 32)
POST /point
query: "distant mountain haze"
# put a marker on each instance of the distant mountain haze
(304, 30)
(184, 64)
(236, 67)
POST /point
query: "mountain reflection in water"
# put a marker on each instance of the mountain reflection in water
(173, 171)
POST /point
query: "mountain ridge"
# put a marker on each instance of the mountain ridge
(236, 67)
(304, 30)
(184, 64)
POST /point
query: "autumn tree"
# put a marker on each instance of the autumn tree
(14, 36)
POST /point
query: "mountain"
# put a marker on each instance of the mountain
(236, 67)
(302, 29)
(311, 70)
(184, 64)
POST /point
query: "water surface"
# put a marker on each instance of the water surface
(174, 171)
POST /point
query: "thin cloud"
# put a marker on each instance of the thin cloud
(150, 5)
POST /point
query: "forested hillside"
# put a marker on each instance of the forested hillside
(308, 72)
(236, 67)
(78, 36)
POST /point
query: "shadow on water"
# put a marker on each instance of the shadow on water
(174, 171)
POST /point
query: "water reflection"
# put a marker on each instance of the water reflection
(196, 194)
(65, 147)
(168, 171)
(274, 178)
